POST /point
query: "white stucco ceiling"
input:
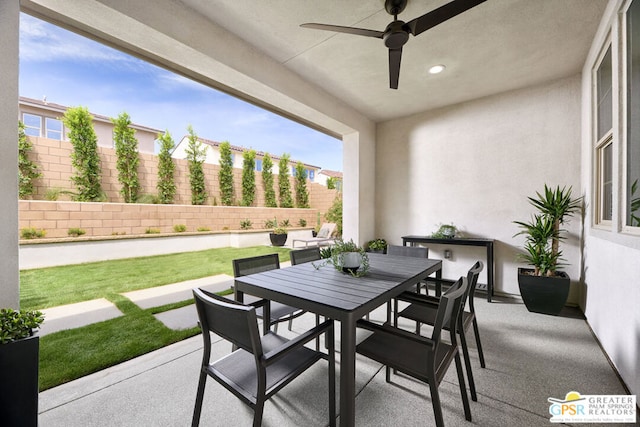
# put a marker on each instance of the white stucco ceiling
(497, 46)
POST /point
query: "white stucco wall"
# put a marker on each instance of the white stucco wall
(9, 277)
(474, 164)
(611, 297)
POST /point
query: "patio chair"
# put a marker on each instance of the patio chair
(278, 312)
(324, 237)
(261, 365)
(412, 251)
(426, 359)
(427, 314)
(300, 256)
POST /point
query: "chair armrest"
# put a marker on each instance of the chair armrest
(419, 299)
(298, 341)
(390, 330)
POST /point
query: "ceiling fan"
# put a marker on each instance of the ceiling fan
(397, 32)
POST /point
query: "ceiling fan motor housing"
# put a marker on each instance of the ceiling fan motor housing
(396, 35)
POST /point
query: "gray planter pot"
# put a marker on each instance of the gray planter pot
(541, 294)
(278, 239)
(350, 261)
(19, 382)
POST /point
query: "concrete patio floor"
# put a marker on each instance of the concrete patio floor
(530, 357)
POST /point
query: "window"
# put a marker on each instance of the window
(258, 165)
(32, 124)
(311, 174)
(53, 128)
(632, 193)
(604, 139)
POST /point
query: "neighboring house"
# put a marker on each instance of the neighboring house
(326, 174)
(43, 119)
(213, 157)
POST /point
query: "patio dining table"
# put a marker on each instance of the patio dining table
(340, 296)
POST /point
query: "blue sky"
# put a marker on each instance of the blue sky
(74, 71)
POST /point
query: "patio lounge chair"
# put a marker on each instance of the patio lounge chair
(324, 237)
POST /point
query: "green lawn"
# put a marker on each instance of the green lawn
(71, 354)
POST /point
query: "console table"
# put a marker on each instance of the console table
(487, 243)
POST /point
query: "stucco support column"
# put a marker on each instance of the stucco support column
(9, 268)
(358, 209)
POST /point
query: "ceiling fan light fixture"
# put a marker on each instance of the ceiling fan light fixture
(437, 69)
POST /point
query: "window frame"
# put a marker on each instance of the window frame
(26, 126)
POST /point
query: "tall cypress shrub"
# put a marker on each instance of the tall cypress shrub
(248, 177)
(196, 155)
(84, 157)
(127, 157)
(226, 174)
(267, 182)
(302, 194)
(166, 185)
(27, 169)
(284, 186)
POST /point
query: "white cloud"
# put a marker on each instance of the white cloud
(44, 42)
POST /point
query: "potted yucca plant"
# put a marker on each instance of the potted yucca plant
(19, 358)
(545, 288)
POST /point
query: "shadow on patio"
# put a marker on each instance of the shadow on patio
(530, 357)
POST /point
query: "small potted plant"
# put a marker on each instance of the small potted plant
(348, 257)
(377, 246)
(544, 288)
(19, 358)
(278, 236)
(445, 231)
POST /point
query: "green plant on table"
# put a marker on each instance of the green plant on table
(340, 248)
(377, 244)
(16, 325)
(445, 231)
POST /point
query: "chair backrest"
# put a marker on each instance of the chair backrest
(229, 319)
(472, 281)
(449, 310)
(327, 230)
(412, 251)
(256, 264)
(305, 255)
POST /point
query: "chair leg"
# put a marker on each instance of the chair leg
(275, 327)
(435, 401)
(330, 340)
(478, 344)
(463, 389)
(467, 364)
(290, 323)
(195, 421)
(258, 410)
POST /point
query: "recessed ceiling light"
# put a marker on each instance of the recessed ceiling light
(436, 69)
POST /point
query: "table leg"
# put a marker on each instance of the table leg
(348, 372)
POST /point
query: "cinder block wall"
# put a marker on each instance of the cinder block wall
(54, 162)
(106, 219)
(102, 219)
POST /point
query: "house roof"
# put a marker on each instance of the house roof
(240, 149)
(331, 174)
(58, 108)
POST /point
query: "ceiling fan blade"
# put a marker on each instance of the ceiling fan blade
(347, 30)
(395, 56)
(441, 14)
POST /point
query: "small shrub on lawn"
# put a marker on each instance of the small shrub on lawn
(32, 233)
(75, 232)
(179, 228)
